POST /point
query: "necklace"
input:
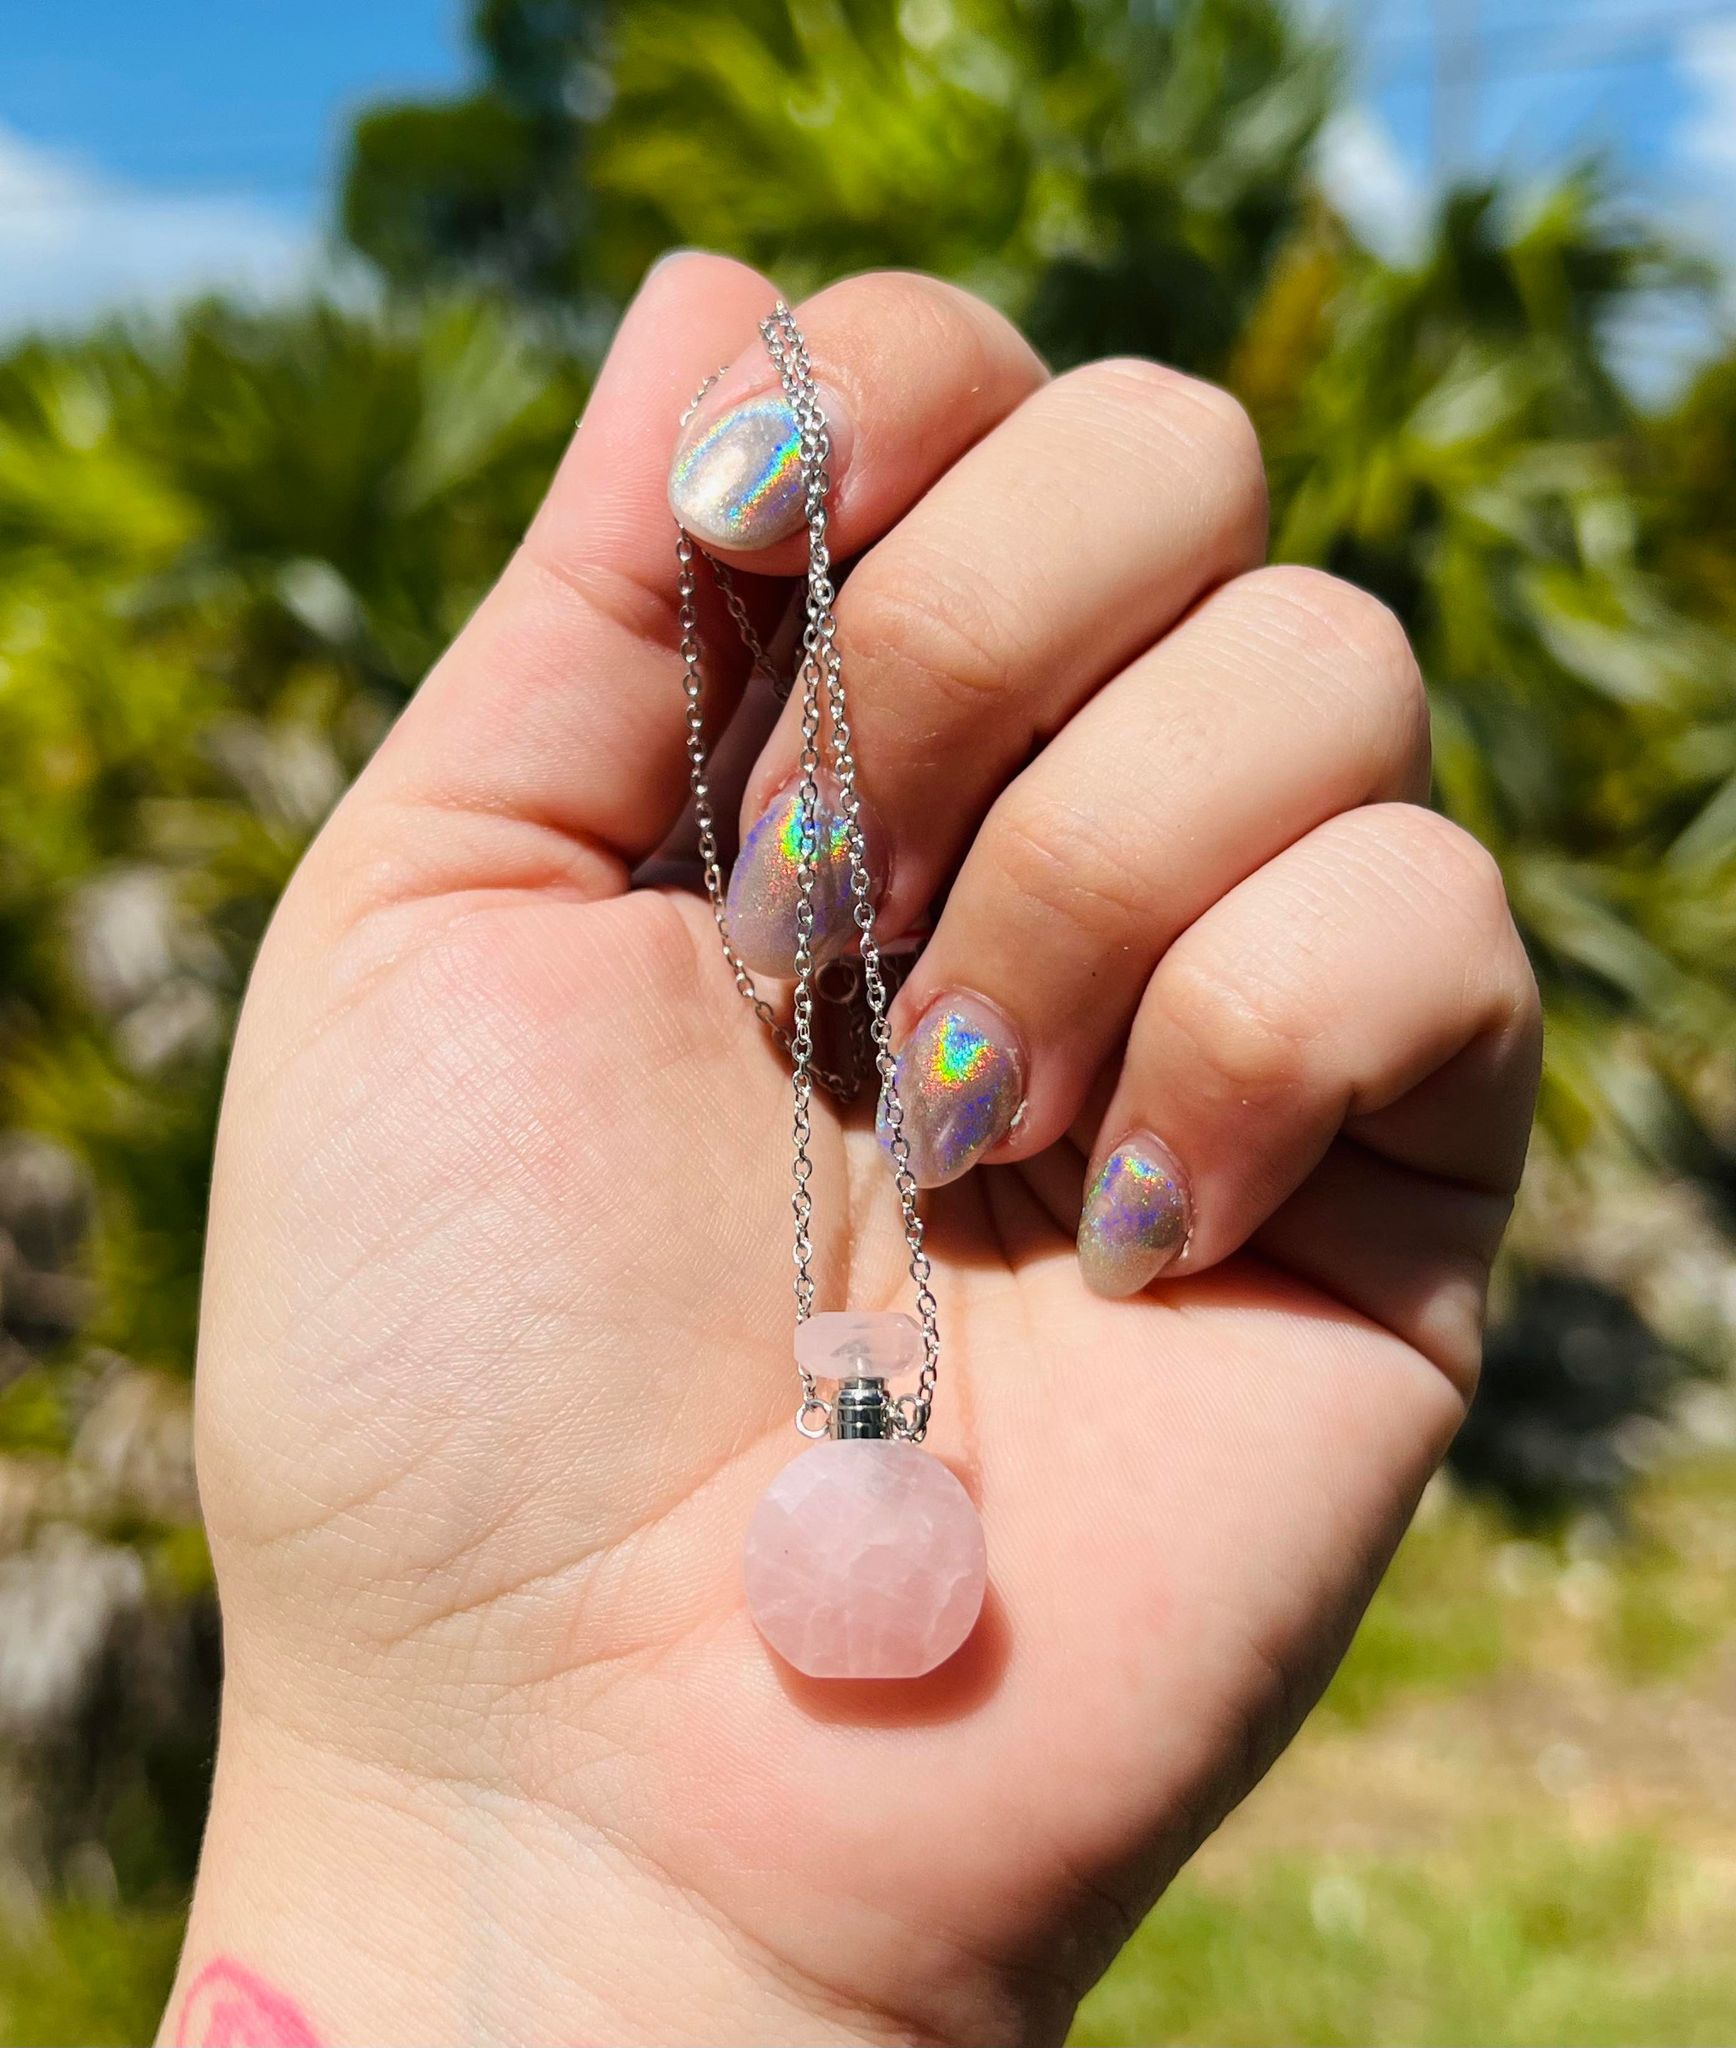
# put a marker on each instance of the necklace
(865, 1557)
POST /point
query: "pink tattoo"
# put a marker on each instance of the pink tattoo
(229, 2007)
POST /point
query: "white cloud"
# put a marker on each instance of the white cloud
(1706, 57)
(1704, 149)
(74, 242)
(1366, 177)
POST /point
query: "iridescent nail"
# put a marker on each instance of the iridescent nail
(764, 890)
(961, 1086)
(1136, 1218)
(738, 482)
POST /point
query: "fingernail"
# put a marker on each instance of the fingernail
(737, 483)
(1136, 1217)
(764, 890)
(961, 1086)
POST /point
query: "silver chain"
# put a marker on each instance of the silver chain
(844, 1086)
(821, 681)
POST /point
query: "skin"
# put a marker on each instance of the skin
(495, 1354)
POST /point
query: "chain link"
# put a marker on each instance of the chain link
(820, 678)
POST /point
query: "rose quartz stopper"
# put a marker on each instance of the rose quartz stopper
(865, 1560)
(852, 1344)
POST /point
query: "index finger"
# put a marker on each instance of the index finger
(912, 372)
(560, 705)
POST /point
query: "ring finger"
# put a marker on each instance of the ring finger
(1285, 699)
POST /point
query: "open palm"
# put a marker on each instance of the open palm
(497, 1357)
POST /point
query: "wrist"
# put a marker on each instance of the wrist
(342, 1901)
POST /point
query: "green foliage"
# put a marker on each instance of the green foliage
(1690, 496)
(1452, 438)
(488, 188)
(268, 528)
(33, 1419)
(88, 1977)
(1521, 1943)
(1115, 176)
(1467, 1603)
(1118, 177)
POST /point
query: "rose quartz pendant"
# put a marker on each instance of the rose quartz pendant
(865, 1557)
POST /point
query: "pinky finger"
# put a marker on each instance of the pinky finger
(1364, 996)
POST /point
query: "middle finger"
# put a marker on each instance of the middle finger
(1052, 553)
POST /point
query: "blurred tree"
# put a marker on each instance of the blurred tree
(1452, 437)
(1119, 176)
(1688, 503)
(487, 188)
(1691, 499)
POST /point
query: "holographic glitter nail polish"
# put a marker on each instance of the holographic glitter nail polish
(764, 887)
(1136, 1217)
(738, 482)
(961, 1085)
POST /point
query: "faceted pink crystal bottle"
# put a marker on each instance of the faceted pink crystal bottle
(865, 1557)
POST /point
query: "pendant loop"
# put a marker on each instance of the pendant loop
(907, 1417)
(814, 1406)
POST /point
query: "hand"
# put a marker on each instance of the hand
(497, 1342)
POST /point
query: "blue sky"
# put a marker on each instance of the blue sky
(152, 146)
(195, 95)
(1646, 86)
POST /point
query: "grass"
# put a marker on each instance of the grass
(1512, 1821)
(1522, 1938)
(88, 1975)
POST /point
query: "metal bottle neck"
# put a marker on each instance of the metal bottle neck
(860, 1409)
